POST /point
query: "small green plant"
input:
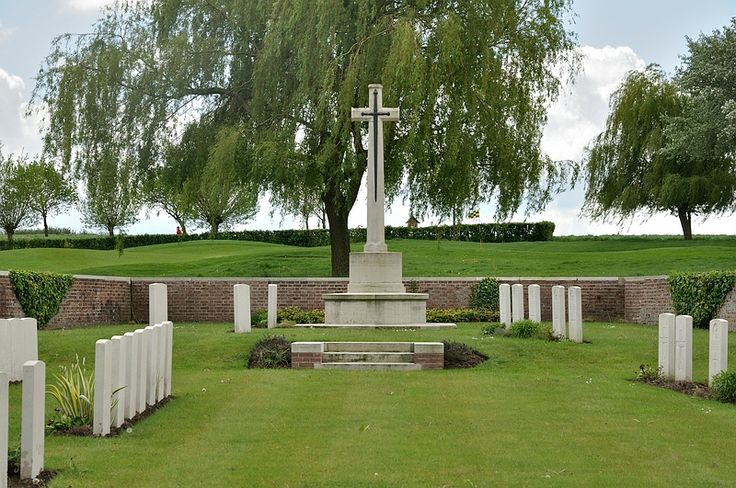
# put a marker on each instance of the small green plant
(525, 329)
(270, 352)
(14, 461)
(459, 355)
(492, 329)
(120, 244)
(457, 315)
(296, 315)
(484, 294)
(724, 386)
(648, 373)
(259, 319)
(74, 392)
(40, 294)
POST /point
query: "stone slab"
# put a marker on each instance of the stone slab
(718, 348)
(370, 366)
(558, 312)
(33, 420)
(241, 304)
(368, 346)
(4, 418)
(375, 308)
(158, 306)
(535, 304)
(103, 387)
(504, 301)
(683, 348)
(517, 302)
(666, 349)
(375, 272)
(131, 373)
(272, 305)
(428, 325)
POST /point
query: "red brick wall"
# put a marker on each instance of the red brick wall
(115, 300)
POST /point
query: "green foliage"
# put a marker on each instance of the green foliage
(298, 316)
(484, 294)
(14, 461)
(270, 352)
(40, 294)
(259, 319)
(15, 210)
(700, 295)
(493, 329)
(74, 394)
(47, 190)
(120, 244)
(113, 198)
(459, 355)
(724, 386)
(649, 374)
(460, 315)
(524, 329)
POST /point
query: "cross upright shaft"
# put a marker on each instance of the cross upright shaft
(375, 114)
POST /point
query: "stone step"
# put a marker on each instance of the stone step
(367, 357)
(370, 366)
(369, 347)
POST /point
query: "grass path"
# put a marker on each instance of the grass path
(633, 257)
(537, 414)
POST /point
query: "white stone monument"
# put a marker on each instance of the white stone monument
(103, 388)
(241, 302)
(18, 344)
(169, 352)
(535, 304)
(272, 306)
(131, 373)
(517, 302)
(152, 361)
(33, 419)
(666, 360)
(504, 301)
(142, 348)
(683, 348)
(117, 375)
(558, 312)
(376, 295)
(158, 303)
(718, 350)
(161, 361)
(575, 312)
(4, 418)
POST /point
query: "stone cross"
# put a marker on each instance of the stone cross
(375, 114)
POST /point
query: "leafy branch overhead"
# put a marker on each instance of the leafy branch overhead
(472, 77)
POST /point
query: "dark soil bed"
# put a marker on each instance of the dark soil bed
(43, 479)
(459, 355)
(699, 390)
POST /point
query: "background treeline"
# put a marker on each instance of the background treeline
(499, 232)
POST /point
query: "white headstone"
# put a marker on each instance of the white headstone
(272, 306)
(142, 348)
(666, 354)
(558, 311)
(4, 418)
(683, 348)
(161, 358)
(103, 387)
(151, 373)
(504, 301)
(33, 419)
(158, 304)
(6, 348)
(718, 350)
(23, 345)
(575, 312)
(535, 304)
(117, 376)
(169, 337)
(131, 373)
(517, 303)
(375, 114)
(241, 300)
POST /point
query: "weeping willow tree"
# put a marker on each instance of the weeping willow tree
(472, 78)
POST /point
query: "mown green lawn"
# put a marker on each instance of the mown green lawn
(620, 257)
(537, 414)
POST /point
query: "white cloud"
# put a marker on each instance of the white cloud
(17, 132)
(84, 6)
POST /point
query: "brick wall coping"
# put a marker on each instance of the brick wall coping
(644, 278)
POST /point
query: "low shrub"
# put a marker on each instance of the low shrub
(493, 329)
(484, 294)
(459, 355)
(74, 392)
(271, 352)
(14, 462)
(525, 329)
(259, 319)
(649, 374)
(459, 315)
(724, 386)
(40, 294)
(298, 316)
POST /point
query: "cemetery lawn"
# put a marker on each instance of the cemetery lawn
(536, 414)
(568, 257)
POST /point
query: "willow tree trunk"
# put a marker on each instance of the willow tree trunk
(339, 238)
(45, 226)
(686, 221)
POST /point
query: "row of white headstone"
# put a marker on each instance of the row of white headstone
(241, 301)
(511, 302)
(676, 347)
(18, 344)
(32, 421)
(132, 373)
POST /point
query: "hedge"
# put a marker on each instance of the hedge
(700, 295)
(505, 232)
(40, 294)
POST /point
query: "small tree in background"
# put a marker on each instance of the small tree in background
(112, 197)
(15, 210)
(47, 190)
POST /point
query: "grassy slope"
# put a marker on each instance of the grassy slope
(537, 414)
(634, 257)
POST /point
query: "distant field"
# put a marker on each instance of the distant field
(565, 257)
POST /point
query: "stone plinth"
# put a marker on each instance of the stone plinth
(375, 272)
(376, 308)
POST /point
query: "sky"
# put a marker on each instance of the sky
(614, 38)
